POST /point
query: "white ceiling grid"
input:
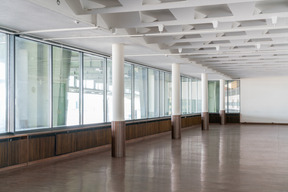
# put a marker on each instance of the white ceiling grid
(226, 38)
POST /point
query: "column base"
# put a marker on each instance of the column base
(176, 126)
(118, 133)
(205, 120)
(222, 117)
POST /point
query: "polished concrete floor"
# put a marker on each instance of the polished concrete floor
(234, 158)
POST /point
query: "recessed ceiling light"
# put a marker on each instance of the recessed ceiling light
(215, 24)
(274, 20)
(161, 28)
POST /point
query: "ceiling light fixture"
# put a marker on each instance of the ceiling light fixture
(180, 50)
(258, 46)
(215, 24)
(161, 28)
(217, 47)
(114, 31)
(274, 20)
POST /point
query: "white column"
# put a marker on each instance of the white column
(118, 127)
(222, 94)
(205, 114)
(222, 102)
(204, 81)
(176, 110)
(117, 82)
(176, 100)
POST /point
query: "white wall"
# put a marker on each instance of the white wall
(264, 100)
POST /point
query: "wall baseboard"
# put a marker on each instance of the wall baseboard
(263, 123)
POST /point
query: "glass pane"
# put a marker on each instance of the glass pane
(185, 95)
(109, 90)
(32, 85)
(3, 61)
(93, 85)
(168, 94)
(153, 97)
(162, 102)
(66, 70)
(140, 92)
(233, 96)
(128, 91)
(194, 88)
(226, 96)
(213, 96)
(199, 96)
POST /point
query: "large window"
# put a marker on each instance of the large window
(93, 84)
(154, 93)
(3, 61)
(140, 92)
(194, 87)
(168, 94)
(128, 69)
(32, 85)
(185, 95)
(56, 86)
(232, 97)
(66, 81)
(213, 96)
(199, 100)
(162, 92)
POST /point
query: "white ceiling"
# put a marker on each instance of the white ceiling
(225, 38)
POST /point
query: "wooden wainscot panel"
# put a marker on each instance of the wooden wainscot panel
(103, 136)
(65, 143)
(41, 146)
(3, 152)
(17, 150)
(86, 139)
(165, 125)
(196, 120)
(184, 121)
(141, 129)
(152, 127)
(232, 117)
(190, 121)
(130, 131)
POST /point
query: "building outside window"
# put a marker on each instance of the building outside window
(153, 93)
(185, 95)
(213, 96)
(3, 81)
(66, 82)
(232, 96)
(93, 84)
(168, 94)
(31, 85)
(140, 92)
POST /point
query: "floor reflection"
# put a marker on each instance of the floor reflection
(238, 158)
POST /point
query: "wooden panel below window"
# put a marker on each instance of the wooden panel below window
(65, 143)
(3, 153)
(165, 125)
(17, 150)
(41, 147)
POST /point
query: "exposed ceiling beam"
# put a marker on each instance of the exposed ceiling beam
(285, 42)
(228, 38)
(162, 6)
(193, 32)
(225, 19)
